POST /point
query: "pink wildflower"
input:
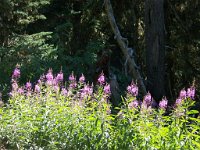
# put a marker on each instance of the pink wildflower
(163, 103)
(101, 79)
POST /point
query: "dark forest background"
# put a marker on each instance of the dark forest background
(75, 35)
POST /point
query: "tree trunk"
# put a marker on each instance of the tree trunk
(155, 49)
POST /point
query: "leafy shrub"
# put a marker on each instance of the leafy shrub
(75, 115)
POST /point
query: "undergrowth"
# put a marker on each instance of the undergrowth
(74, 115)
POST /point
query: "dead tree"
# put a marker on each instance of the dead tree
(122, 42)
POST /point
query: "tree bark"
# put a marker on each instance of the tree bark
(124, 47)
(155, 49)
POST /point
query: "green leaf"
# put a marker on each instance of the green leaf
(196, 143)
(191, 112)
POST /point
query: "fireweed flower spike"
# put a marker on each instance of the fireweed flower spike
(148, 99)
(133, 89)
(73, 85)
(16, 73)
(59, 77)
(72, 78)
(56, 88)
(49, 82)
(37, 88)
(191, 92)
(14, 86)
(87, 90)
(101, 79)
(133, 104)
(107, 89)
(178, 101)
(64, 92)
(42, 79)
(39, 81)
(28, 86)
(163, 103)
(183, 94)
(54, 82)
(20, 91)
(49, 75)
(143, 105)
(82, 79)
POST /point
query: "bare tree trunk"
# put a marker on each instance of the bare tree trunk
(155, 50)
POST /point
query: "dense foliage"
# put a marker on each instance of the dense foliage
(54, 114)
(76, 35)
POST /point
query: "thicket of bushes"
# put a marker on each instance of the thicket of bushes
(54, 114)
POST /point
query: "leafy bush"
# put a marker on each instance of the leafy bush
(75, 115)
